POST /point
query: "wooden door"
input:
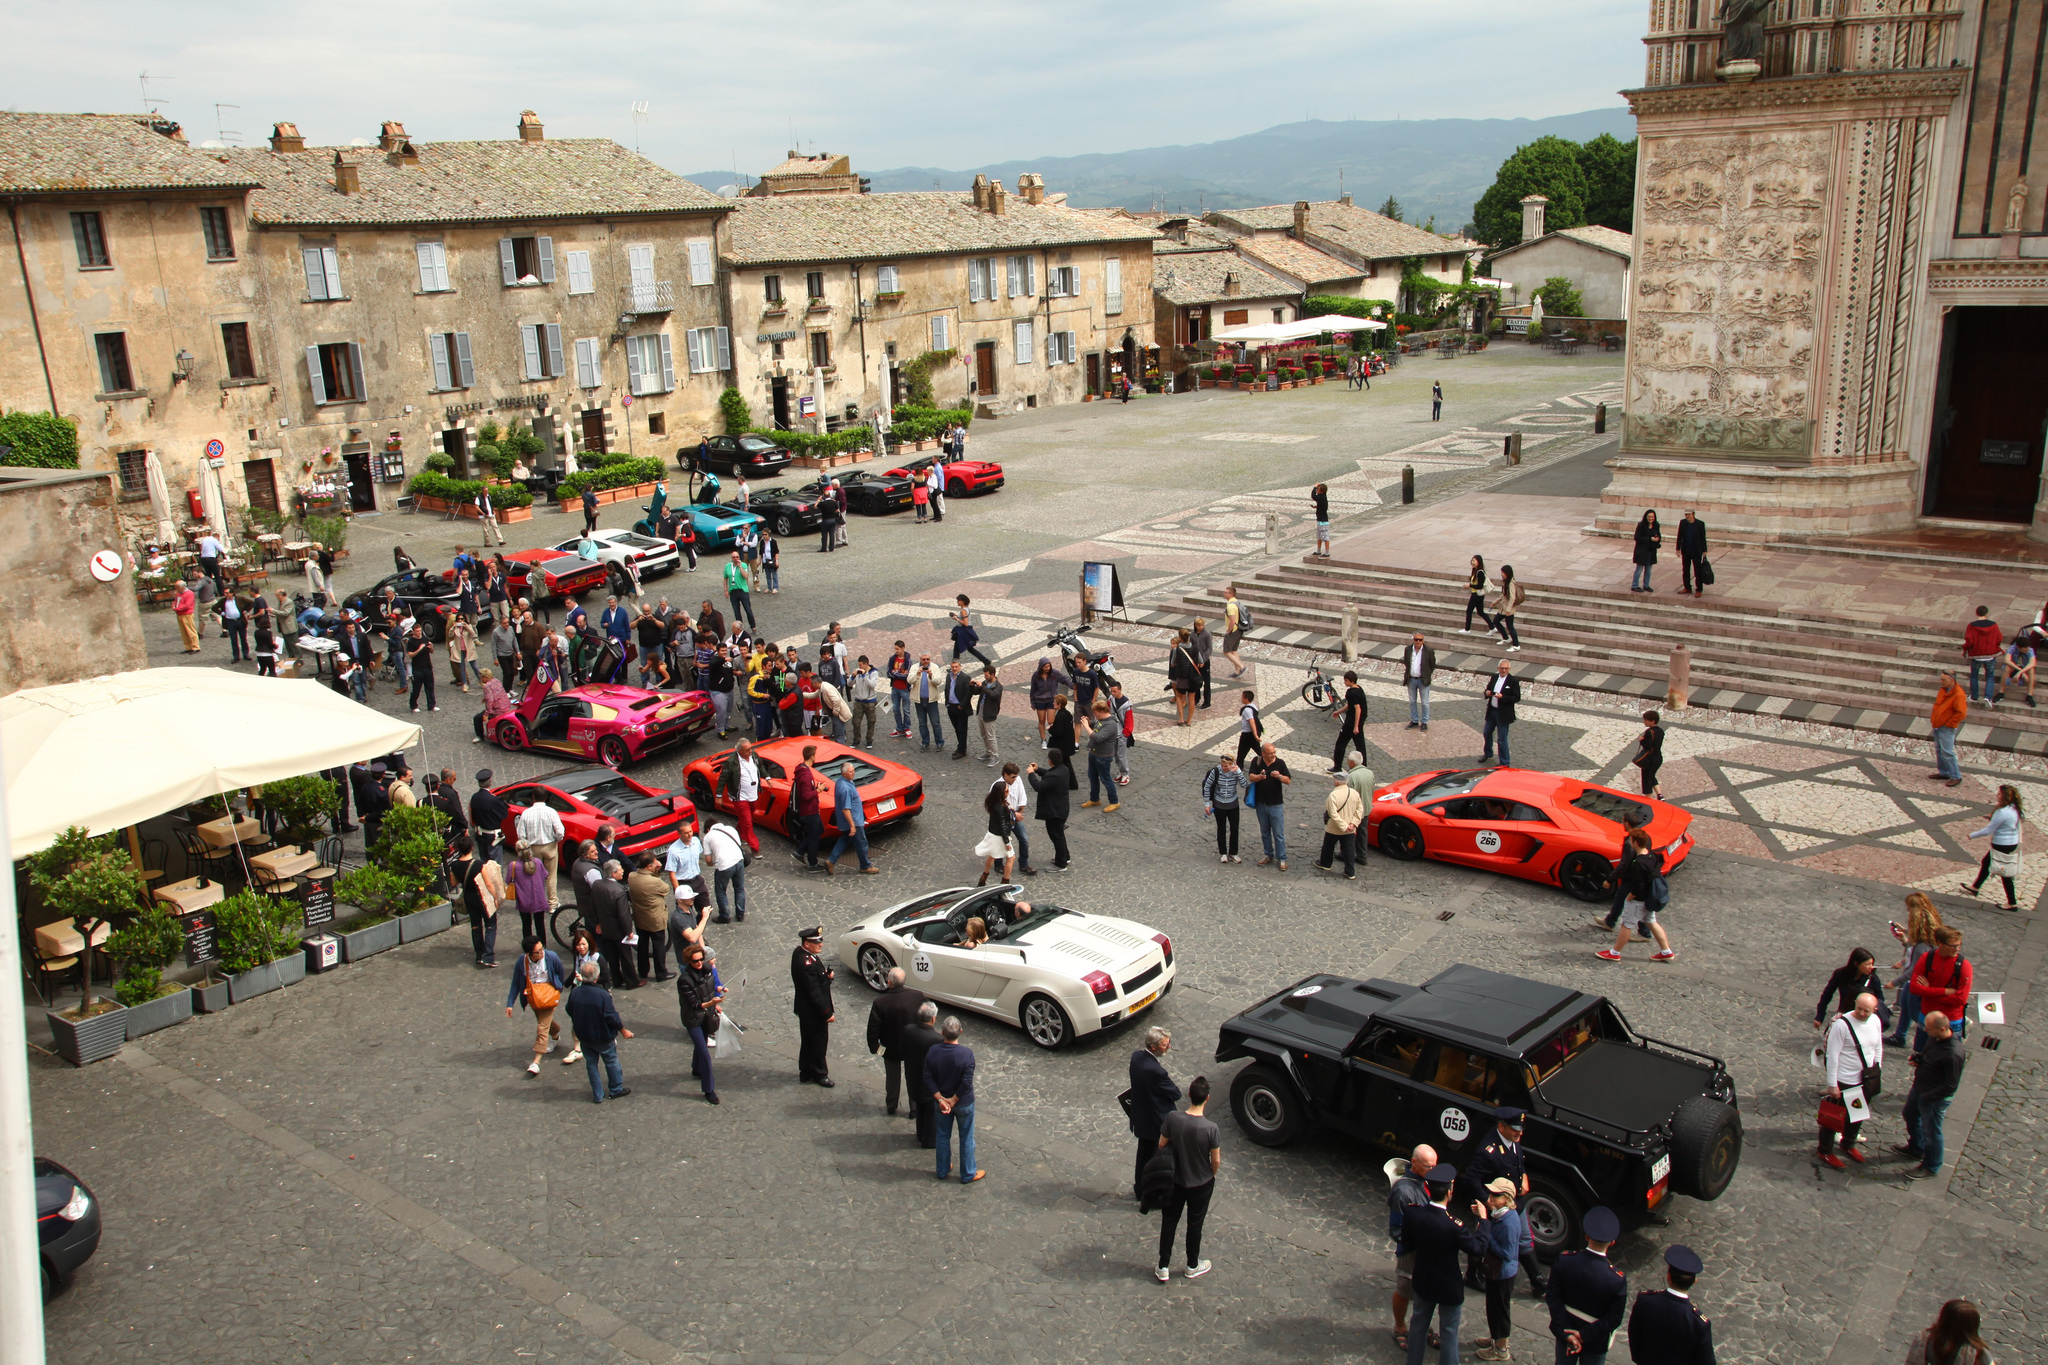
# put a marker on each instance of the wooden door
(1990, 407)
(593, 431)
(259, 477)
(779, 400)
(1095, 373)
(985, 368)
(455, 445)
(362, 491)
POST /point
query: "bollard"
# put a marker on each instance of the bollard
(1600, 420)
(1515, 448)
(1681, 679)
(1350, 634)
(1407, 484)
(1272, 533)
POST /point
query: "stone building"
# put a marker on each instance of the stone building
(1374, 246)
(1838, 323)
(1596, 259)
(63, 623)
(1202, 285)
(131, 302)
(823, 173)
(831, 295)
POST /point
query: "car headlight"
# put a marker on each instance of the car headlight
(75, 1208)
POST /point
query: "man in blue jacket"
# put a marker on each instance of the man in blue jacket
(538, 981)
(598, 1029)
(1153, 1097)
(949, 1080)
(1434, 1238)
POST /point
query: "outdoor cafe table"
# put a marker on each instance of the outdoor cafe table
(188, 896)
(62, 939)
(226, 832)
(301, 549)
(284, 863)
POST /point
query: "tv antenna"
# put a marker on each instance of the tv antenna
(639, 120)
(148, 101)
(220, 131)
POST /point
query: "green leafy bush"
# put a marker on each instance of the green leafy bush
(372, 890)
(329, 532)
(87, 879)
(1560, 298)
(917, 375)
(619, 473)
(40, 440)
(141, 950)
(512, 495)
(913, 422)
(252, 930)
(441, 462)
(732, 406)
(301, 804)
(409, 851)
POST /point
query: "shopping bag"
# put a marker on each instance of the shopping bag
(1834, 1115)
(1990, 1007)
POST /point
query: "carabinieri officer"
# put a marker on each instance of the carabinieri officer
(1588, 1296)
(1666, 1327)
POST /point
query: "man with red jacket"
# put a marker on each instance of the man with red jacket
(1942, 983)
(803, 804)
(1982, 641)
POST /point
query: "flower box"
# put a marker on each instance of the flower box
(160, 1013)
(254, 982)
(888, 296)
(82, 1042)
(210, 997)
(432, 920)
(291, 970)
(507, 515)
(367, 942)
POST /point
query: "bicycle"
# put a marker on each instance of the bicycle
(1321, 694)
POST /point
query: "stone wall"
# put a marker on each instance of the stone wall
(62, 623)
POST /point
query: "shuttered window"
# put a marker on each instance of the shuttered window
(1024, 345)
(465, 371)
(1059, 348)
(1112, 286)
(526, 260)
(433, 258)
(942, 332)
(437, 352)
(323, 272)
(542, 345)
(335, 372)
(1023, 276)
(886, 281)
(588, 373)
(981, 279)
(650, 364)
(709, 349)
(220, 237)
(579, 273)
(1059, 282)
(92, 241)
(234, 344)
(700, 261)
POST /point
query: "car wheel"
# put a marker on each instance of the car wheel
(510, 734)
(785, 525)
(49, 1282)
(1045, 1023)
(875, 965)
(1553, 1218)
(955, 489)
(1706, 1147)
(1399, 838)
(1588, 876)
(1267, 1107)
(564, 923)
(437, 628)
(613, 753)
(700, 790)
(622, 583)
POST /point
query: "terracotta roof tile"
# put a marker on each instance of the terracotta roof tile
(1365, 234)
(1197, 277)
(72, 153)
(856, 227)
(1298, 259)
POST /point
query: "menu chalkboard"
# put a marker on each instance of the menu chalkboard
(201, 938)
(319, 900)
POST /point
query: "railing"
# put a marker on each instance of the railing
(658, 296)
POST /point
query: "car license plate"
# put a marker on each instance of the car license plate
(884, 807)
(1146, 1001)
(1660, 1169)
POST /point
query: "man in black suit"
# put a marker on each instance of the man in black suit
(1692, 548)
(1153, 1097)
(1434, 1238)
(612, 912)
(917, 1039)
(487, 813)
(1666, 1327)
(1502, 692)
(894, 1010)
(373, 798)
(1587, 1294)
(812, 980)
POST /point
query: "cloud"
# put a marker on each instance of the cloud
(908, 82)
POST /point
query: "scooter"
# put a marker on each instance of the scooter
(1076, 655)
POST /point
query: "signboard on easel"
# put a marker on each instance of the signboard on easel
(1102, 592)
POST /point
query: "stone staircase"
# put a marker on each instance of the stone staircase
(1749, 656)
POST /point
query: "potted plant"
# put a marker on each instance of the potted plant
(302, 806)
(373, 931)
(259, 944)
(90, 882)
(141, 950)
(409, 851)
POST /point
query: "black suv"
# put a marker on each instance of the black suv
(1614, 1117)
(755, 456)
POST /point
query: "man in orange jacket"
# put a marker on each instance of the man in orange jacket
(1951, 708)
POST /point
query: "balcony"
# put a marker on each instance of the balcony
(658, 296)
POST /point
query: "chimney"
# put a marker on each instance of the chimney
(1232, 287)
(284, 137)
(1032, 187)
(996, 198)
(980, 191)
(1301, 219)
(348, 177)
(529, 126)
(1532, 217)
(404, 154)
(1345, 200)
(390, 135)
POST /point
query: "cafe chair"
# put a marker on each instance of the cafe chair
(156, 858)
(49, 971)
(328, 851)
(203, 859)
(270, 884)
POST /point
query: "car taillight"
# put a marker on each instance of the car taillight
(760, 459)
(1165, 946)
(1104, 988)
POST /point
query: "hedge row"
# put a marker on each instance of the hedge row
(913, 423)
(615, 474)
(430, 484)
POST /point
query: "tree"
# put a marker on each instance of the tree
(1560, 298)
(1548, 166)
(38, 440)
(1609, 166)
(89, 880)
(1391, 209)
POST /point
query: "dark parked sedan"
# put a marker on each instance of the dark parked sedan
(755, 456)
(67, 1223)
(430, 597)
(871, 495)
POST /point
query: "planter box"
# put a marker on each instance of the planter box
(254, 982)
(84, 1041)
(159, 1013)
(507, 515)
(431, 920)
(290, 970)
(210, 999)
(378, 938)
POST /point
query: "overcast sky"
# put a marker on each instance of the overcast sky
(892, 82)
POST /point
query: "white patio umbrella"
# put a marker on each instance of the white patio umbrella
(210, 498)
(159, 498)
(111, 751)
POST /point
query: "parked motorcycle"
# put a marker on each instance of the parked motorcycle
(1077, 657)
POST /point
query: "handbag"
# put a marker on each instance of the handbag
(1705, 572)
(1834, 1115)
(1129, 1105)
(542, 995)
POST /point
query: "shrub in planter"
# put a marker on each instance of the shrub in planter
(371, 890)
(141, 949)
(90, 881)
(329, 532)
(302, 805)
(441, 462)
(615, 473)
(732, 407)
(254, 931)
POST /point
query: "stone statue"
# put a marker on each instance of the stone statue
(2016, 207)
(1742, 29)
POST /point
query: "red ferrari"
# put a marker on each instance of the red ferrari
(587, 798)
(560, 575)
(888, 791)
(608, 722)
(962, 476)
(1555, 830)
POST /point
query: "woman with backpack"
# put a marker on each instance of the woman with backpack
(1511, 596)
(1223, 798)
(1644, 878)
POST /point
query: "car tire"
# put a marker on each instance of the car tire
(955, 488)
(510, 734)
(1706, 1147)
(700, 791)
(613, 753)
(437, 628)
(1400, 839)
(1553, 1217)
(785, 525)
(1045, 1022)
(1267, 1107)
(622, 583)
(1587, 876)
(49, 1282)
(876, 962)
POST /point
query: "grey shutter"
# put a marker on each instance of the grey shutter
(724, 348)
(693, 342)
(633, 364)
(1052, 348)
(316, 274)
(466, 371)
(505, 266)
(1030, 275)
(330, 262)
(1113, 285)
(437, 347)
(668, 365)
(546, 248)
(529, 341)
(586, 362)
(974, 281)
(355, 371)
(313, 374)
(554, 350)
(1015, 275)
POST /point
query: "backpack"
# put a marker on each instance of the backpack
(1660, 892)
(1244, 618)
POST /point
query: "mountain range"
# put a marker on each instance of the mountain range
(1434, 167)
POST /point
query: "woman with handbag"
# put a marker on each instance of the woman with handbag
(698, 993)
(1857, 977)
(998, 843)
(530, 879)
(483, 891)
(2004, 857)
(538, 984)
(1511, 596)
(1853, 1057)
(1184, 677)
(1475, 595)
(1649, 538)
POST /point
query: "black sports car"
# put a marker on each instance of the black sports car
(430, 597)
(787, 511)
(870, 494)
(755, 456)
(67, 1223)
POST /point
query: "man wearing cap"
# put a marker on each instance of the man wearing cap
(813, 982)
(1435, 1238)
(1588, 1296)
(487, 814)
(1500, 1155)
(1666, 1327)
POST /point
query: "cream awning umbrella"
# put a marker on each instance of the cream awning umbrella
(210, 499)
(1299, 329)
(108, 752)
(159, 499)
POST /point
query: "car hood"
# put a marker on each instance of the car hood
(1077, 944)
(1319, 1011)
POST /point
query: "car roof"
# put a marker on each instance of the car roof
(1506, 1013)
(573, 780)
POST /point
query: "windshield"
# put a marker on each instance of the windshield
(637, 542)
(934, 904)
(1023, 930)
(1613, 806)
(1447, 784)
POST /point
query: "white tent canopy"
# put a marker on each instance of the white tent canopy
(109, 752)
(1297, 330)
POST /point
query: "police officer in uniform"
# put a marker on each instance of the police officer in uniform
(1588, 1296)
(813, 982)
(1665, 1327)
(1500, 1155)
